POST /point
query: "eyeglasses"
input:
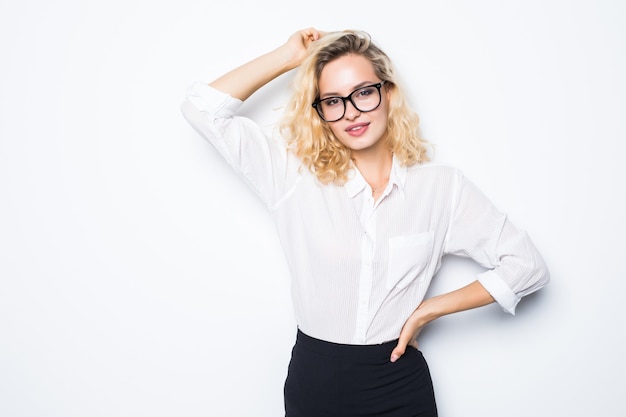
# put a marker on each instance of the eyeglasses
(363, 99)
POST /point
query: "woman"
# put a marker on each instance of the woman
(364, 220)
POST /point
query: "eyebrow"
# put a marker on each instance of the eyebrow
(356, 87)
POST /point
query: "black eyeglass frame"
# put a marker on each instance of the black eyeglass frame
(316, 103)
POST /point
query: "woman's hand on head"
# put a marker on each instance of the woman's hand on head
(299, 43)
(244, 80)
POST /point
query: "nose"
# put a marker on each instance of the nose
(351, 111)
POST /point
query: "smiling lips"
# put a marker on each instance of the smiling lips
(357, 129)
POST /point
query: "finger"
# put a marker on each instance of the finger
(309, 32)
(321, 34)
(309, 36)
(400, 348)
(397, 352)
(314, 34)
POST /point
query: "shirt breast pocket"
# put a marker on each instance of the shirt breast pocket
(408, 257)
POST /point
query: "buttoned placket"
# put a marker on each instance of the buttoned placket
(368, 251)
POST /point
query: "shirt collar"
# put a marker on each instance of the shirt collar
(356, 183)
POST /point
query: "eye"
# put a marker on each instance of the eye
(332, 102)
(366, 91)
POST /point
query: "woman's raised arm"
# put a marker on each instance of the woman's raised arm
(243, 81)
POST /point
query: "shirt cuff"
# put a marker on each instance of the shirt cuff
(499, 291)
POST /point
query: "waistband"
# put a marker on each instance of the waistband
(368, 352)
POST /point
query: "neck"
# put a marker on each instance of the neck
(375, 167)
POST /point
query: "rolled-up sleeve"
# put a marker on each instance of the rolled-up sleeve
(478, 230)
(252, 152)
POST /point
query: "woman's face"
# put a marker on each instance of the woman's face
(358, 131)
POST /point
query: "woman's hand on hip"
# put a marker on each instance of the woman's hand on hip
(471, 296)
(408, 335)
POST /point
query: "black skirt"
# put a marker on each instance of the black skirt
(328, 379)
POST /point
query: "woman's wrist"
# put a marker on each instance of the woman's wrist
(431, 309)
(287, 57)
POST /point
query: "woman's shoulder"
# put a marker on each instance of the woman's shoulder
(435, 177)
(436, 169)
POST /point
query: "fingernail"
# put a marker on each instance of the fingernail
(394, 358)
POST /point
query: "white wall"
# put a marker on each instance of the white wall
(125, 242)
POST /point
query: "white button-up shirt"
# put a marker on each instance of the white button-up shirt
(360, 267)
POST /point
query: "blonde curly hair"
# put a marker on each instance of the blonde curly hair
(311, 139)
